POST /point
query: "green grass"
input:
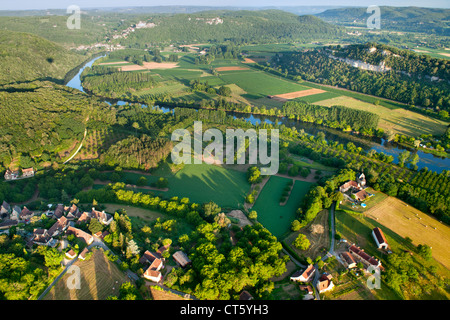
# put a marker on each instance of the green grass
(202, 183)
(277, 219)
(260, 84)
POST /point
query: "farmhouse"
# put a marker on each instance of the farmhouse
(361, 195)
(80, 234)
(380, 239)
(366, 259)
(181, 258)
(325, 284)
(29, 172)
(304, 276)
(349, 262)
(11, 175)
(71, 254)
(152, 272)
(348, 185)
(361, 180)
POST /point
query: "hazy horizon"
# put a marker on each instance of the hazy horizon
(88, 4)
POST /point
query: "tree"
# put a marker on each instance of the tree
(254, 175)
(424, 251)
(210, 209)
(253, 215)
(95, 226)
(301, 242)
(142, 181)
(132, 249)
(402, 157)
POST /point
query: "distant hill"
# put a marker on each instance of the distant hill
(416, 19)
(25, 57)
(240, 26)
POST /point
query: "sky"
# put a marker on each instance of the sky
(62, 4)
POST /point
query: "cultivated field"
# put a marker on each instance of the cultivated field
(231, 68)
(100, 278)
(410, 222)
(298, 94)
(277, 219)
(399, 120)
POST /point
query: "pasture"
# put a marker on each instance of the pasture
(277, 219)
(100, 278)
(407, 221)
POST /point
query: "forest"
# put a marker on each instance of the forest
(317, 66)
(335, 116)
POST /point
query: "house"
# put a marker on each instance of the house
(152, 272)
(380, 239)
(325, 284)
(58, 227)
(11, 175)
(5, 209)
(308, 289)
(361, 195)
(162, 249)
(348, 185)
(41, 237)
(25, 214)
(304, 276)
(361, 180)
(101, 216)
(71, 254)
(83, 253)
(245, 295)
(58, 213)
(362, 256)
(84, 217)
(349, 262)
(15, 214)
(8, 223)
(80, 234)
(181, 258)
(29, 172)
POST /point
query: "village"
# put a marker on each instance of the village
(66, 229)
(69, 218)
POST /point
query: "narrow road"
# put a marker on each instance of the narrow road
(81, 144)
(57, 278)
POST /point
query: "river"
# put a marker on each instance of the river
(428, 160)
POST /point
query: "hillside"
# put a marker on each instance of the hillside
(395, 18)
(25, 57)
(41, 120)
(239, 26)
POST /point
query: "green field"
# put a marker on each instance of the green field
(277, 219)
(200, 183)
(259, 84)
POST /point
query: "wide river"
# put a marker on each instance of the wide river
(428, 160)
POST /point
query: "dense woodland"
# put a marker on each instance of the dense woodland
(335, 116)
(317, 66)
(263, 26)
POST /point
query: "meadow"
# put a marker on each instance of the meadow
(398, 120)
(277, 219)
